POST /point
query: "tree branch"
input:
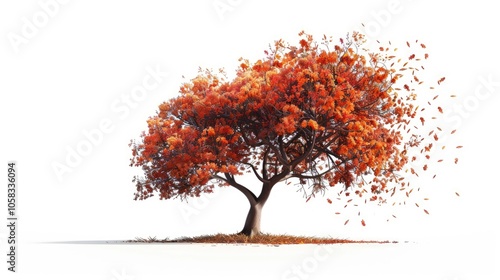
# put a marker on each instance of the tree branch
(264, 165)
(248, 193)
(306, 153)
(319, 175)
(262, 179)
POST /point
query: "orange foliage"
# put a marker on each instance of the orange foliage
(326, 115)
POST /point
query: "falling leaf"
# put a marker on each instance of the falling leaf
(423, 46)
(426, 212)
(441, 80)
(457, 194)
(329, 200)
(346, 222)
(459, 147)
(363, 222)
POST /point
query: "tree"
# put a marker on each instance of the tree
(324, 115)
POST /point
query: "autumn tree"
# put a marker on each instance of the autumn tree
(323, 114)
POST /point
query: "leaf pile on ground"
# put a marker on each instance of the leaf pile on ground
(271, 239)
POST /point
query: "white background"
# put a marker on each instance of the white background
(66, 67)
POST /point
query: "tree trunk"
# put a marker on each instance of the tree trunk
(252, 223)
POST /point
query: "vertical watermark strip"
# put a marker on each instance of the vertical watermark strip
(12, 222)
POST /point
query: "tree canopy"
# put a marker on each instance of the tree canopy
(326, 114)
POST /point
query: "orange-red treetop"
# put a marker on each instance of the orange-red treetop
(322, 113)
